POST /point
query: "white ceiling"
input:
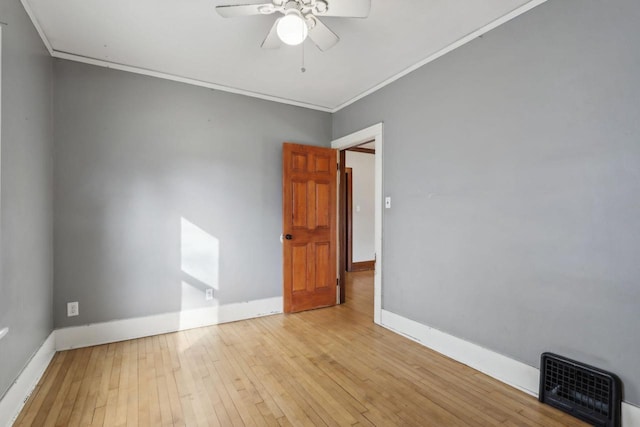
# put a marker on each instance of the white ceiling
(187, 40)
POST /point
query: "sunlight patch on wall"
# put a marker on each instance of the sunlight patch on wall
(200, 265)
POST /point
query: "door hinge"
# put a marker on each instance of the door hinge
(337, 166)
(337, 282)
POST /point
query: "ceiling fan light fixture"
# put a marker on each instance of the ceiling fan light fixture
(292, 28)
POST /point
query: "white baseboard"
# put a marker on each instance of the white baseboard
(505, 369)
(15, 398)
(630, 415)
(502, 368)
(138, 327)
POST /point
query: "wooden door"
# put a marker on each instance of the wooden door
(309, 226)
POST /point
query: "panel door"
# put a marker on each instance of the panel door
(309, 226)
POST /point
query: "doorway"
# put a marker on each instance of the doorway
(371, 134)
(358, 210)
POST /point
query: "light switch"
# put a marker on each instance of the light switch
(357, 208)
(387, 202)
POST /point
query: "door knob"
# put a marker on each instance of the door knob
(288, 236)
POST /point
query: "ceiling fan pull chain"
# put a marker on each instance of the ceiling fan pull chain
(302, 69)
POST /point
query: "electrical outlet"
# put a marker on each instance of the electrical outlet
(208, 295)
(73, 309)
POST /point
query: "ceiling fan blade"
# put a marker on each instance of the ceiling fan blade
(322, 36)
(347, 8)
(272, 41)
(233, 10)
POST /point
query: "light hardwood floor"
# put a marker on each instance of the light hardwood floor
(325, 367)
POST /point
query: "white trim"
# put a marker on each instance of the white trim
(512, 372)
(630, 415)
(194, 82)
(36, 24)
(464, 40)
(126, 329)
(498, 366)
(18, 394)
(502, 368)
(372, 132)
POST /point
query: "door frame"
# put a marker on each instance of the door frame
(356, 138)
(348, 212)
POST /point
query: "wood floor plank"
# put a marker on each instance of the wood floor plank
(150, 398)
(97, 419)
(194, 387)
(85, 411)
(33, 407)
(123, 388)
(328, 367)
(317, 395)
(226, 407)
(265, 399)
(164, 403)
(133, 392)
(53, 403)
(84, 391)
(144, 387)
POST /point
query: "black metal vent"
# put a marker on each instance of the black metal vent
(588, 393)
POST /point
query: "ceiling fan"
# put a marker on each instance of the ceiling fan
(300, 19)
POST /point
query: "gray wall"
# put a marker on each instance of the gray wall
(135, 157)
(514, 167)
(26, 205)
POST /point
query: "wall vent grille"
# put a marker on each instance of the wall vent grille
(587, 393)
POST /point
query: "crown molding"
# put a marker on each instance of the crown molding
(327, 109)
(36, 24)
(187, 80)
